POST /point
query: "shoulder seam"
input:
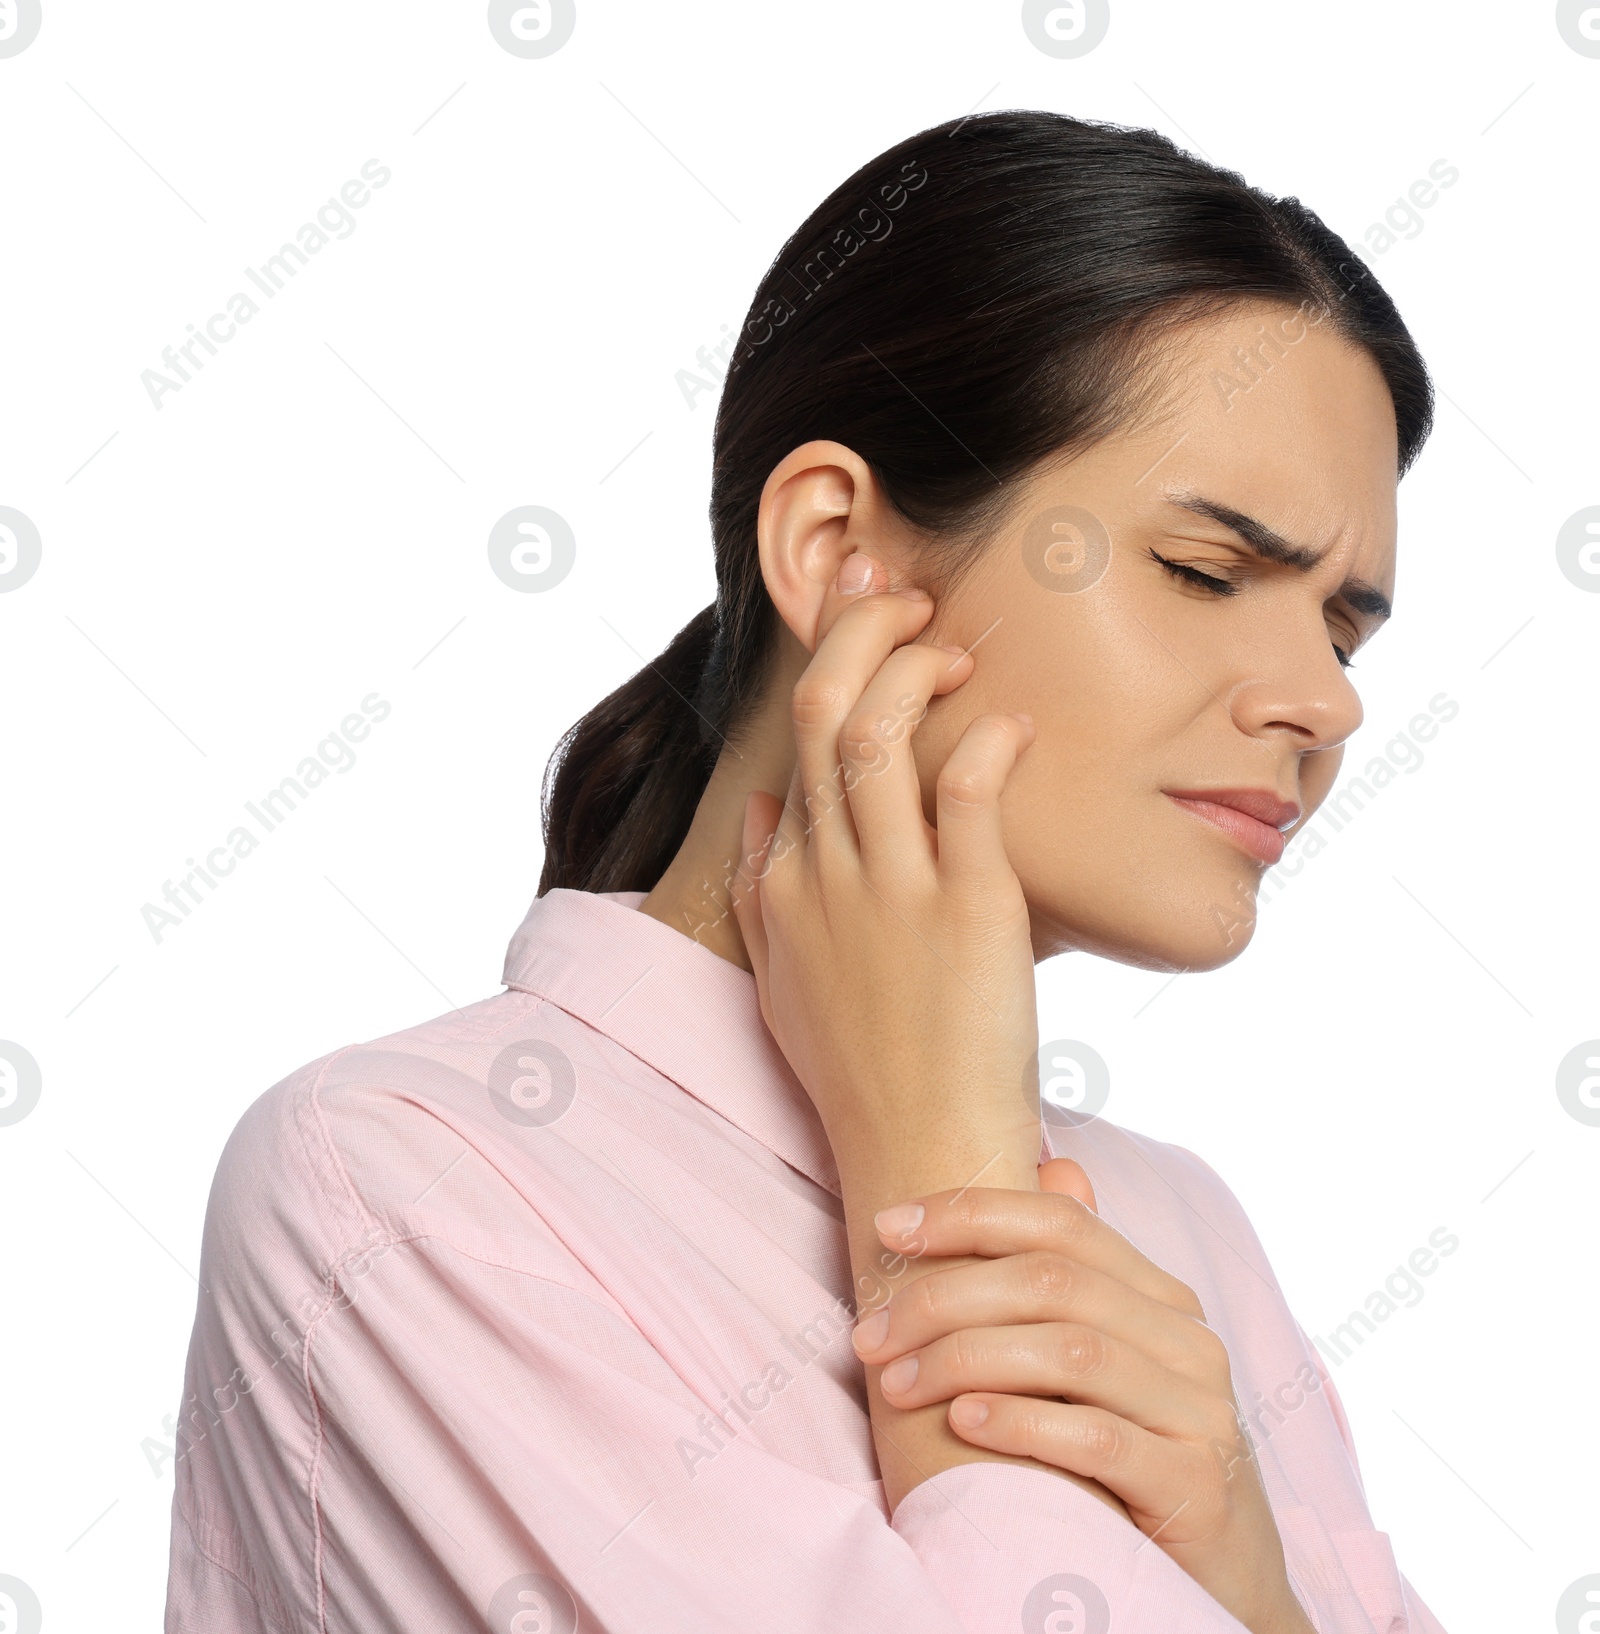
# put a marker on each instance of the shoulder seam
(314, 1097)
(314, 1474)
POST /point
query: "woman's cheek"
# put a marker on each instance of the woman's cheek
(940, 729)
(1318, 773)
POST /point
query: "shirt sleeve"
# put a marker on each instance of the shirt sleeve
(1419, 1619)
(449, 1441)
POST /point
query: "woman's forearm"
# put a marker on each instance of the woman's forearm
(882, 1167)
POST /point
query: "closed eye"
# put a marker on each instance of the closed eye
(1193, 575)
(1223, 587)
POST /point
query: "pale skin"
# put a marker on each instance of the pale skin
(931, 797)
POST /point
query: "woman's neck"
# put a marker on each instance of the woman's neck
(695, 893)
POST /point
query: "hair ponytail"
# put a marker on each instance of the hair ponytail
(623, 784)
(981, 296)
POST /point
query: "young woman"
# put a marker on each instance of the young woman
(722, 1272)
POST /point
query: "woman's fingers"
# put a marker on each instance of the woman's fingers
(1058, 1359)
(859, 575)
(860, 625)
(875, 748)
(1069, 1179)
(994, 1223)
(846, 659)
(972, 853)
(1042, 1287)
(1167, 1484)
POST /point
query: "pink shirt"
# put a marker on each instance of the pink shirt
(535, 1317)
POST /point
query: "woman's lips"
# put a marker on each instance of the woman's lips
(1258, 839)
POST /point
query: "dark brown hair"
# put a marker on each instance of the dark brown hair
(982, 296)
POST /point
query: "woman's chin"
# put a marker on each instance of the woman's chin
(1172, 936)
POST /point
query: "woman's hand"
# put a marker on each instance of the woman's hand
(1061, 1305)
(895, 969)
(892, 956)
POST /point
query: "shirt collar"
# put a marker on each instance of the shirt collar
(676, 1005)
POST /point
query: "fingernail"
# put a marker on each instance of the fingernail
(955, 652)
(899, 1221)
(871, 1331)
(967, 1412)
(855, 574)
(913, 593)
(898, 1377)
(1027, 720)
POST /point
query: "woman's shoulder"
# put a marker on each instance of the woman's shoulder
(361, 1144)
(1130, 1151)
(1172, 1205)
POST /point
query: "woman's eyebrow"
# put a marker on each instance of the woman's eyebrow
(1271, 545)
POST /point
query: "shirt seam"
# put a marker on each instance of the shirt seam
(402, 1239)
(193, 1526)
(370, 1221)
(384, 1234)
(330, 1147)
(314, 1473)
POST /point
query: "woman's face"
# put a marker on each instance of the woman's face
(1274, 474)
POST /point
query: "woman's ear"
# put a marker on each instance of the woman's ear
(821, 504)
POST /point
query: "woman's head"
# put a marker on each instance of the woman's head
(1012, 357)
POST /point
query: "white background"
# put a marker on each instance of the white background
(304, 523)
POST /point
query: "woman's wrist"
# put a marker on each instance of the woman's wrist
(884, 1166)
(885, 1162)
